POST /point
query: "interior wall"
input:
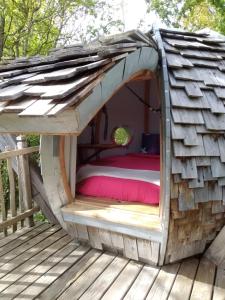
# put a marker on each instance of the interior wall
(124, 109)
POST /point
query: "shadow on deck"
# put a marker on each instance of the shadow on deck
(44, 263)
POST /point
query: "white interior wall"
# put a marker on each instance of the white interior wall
(124, 109)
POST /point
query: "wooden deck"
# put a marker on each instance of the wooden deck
(43, 263)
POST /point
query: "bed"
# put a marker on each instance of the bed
(133, 178)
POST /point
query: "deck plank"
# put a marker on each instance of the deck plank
(183, 283)
(43, 263)
(67, 278)
(16, 235)
(21, 239)
(18, 269)
(98, 288)
(88, 277)
(163, 283)
(203, 285)
(142, 284)
(219, 288)
(123, 282)
(35, 267)
(53, 274)
(21, 254)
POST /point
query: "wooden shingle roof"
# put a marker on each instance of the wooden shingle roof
(48, 85)
(196, 68)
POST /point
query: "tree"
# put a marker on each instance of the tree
(92, 22)
(191, 14)
(30, 27)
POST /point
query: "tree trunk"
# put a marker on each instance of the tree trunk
(2, 35)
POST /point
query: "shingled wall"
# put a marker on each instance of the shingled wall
(196, 69)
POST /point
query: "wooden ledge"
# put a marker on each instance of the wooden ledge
(132, 219)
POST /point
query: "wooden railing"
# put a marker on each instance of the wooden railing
(16, 204)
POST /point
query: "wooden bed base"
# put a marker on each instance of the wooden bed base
(131, 229)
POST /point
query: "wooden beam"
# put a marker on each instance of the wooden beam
(216, 252)
(73, 164)
(121, 221)
(16, 152)
(97, 127)
(14, 220)
(99, 146)
(63, 169)
(24, 167)
(146, 109)
(165, 153)
(64, 123)
(2, 201)
(143, 75)
(51, 174)
(12, 189)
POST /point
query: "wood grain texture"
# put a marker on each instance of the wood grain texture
(204, 279)
(142, 284)
(163, 283)
(121, 285)
(88, 277)
(216, 252)
(219, 288)
(24, 167)
(184, 280)
(49, 150)
(54, 273)
(130, 247)
(104, 281)
(54, 267)
(31, 271)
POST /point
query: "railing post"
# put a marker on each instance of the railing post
(25, 177)
(2, 201)
(12, 189)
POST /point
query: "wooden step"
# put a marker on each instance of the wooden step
(133, 219)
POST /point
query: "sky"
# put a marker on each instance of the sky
(132, 11)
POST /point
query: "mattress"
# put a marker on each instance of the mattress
(132, 178)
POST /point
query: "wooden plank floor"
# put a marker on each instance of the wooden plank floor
(44, 263)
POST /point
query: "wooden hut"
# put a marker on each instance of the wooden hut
(138, 86)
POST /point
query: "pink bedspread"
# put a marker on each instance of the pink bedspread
(120, 188)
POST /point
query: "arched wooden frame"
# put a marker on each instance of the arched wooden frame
(85, 111)
(140, 75)
(65, 180)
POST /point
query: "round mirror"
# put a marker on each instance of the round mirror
(122, 136)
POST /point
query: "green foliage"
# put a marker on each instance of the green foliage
(5, 181)
(31, 27)
(168, 11)
(34, 140)
(95, 20)
(122, 136)
(191, 14)
(39, 217)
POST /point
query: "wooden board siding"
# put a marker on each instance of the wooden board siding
(101, 228)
